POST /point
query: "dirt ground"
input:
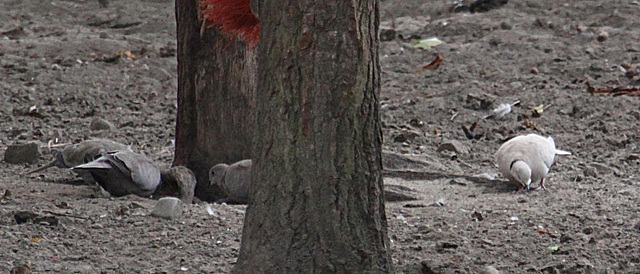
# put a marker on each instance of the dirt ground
(65, 63)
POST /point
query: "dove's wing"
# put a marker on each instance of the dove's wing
(88, 150)
(238, 181)
(142, 171)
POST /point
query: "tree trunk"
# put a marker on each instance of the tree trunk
(317, 195)
(216, 86)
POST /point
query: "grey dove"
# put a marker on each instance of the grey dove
(234, 181)
(124, 172)
(527, 158)
(80, 153)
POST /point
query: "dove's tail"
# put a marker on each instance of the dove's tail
(42, 168)
(562, 152)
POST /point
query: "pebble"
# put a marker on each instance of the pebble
(22, 153)
(602, 36)
(602, 168)
(101, 124)
(590, 172)
(167, 208)
(516, 84)
(455, 146)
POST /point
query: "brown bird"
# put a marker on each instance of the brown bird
(234, 180)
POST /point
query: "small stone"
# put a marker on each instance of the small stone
(589, 51)
(602, 36)
(516, 84)
(590, 172)
(455, 146)
(427, 268)
(535, 71)
(167, 208)
(488, 269)
(416, 123)
(24, 216)
(22, 153)
(445, 246)
(505, 26)
(477, 216)
(485, 176)
(603, 168)
(406, 136)
(101, 124)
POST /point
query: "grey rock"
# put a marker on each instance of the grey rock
(234, 180)
(124, 172)
(590, 171)
(454, 146)
(516, 84)
(167, 208)
(22, 153)
(603, 168)
(397, 193)
(101, 124)
(179, 182)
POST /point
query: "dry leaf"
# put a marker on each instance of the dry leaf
(435, 64)
(131, 56)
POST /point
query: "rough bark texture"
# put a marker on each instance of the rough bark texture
(216, 86)
(316, 203)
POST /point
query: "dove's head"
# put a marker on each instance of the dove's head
(59, 159)
(217, 172)
(521, 172)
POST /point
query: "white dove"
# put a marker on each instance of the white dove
(527, 158)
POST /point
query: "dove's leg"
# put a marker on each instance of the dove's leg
(542, 185)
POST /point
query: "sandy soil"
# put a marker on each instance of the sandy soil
(65, 63)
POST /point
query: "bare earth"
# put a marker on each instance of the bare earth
(60, 69)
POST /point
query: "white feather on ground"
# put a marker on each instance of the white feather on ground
(502, 110)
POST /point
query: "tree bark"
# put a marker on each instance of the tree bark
(216, 91)
(316, 203)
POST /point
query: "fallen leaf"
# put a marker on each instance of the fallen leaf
(435, 64)
(530, 124)
(615, 91)
(427, 43)
(131, 55)
(537, 111)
